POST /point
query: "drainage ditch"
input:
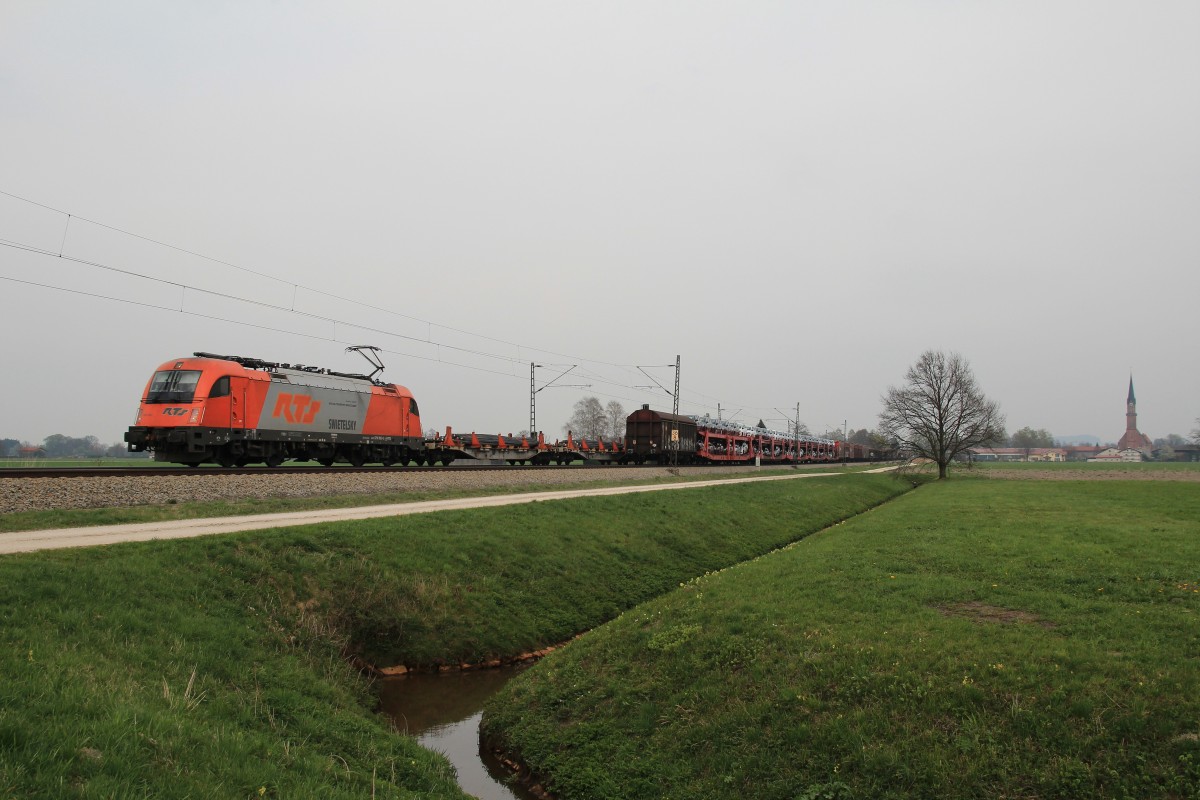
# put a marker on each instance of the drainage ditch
(442, 710)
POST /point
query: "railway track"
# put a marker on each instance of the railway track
(154, 472)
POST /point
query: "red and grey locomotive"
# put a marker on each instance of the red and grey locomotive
(235, 410)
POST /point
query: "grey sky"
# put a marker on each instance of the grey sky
(798, 198)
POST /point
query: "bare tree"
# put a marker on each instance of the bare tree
(1196, 433)
(588, 419)
(940, 411)
(615, 412)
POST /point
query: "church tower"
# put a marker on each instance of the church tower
(1133, 439)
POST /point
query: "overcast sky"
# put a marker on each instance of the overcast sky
(797, 198)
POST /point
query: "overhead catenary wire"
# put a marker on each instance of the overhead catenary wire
(296, 285)
(183, 287)
(250, 301)
(590, 374)
(333, 321)
(255, 325)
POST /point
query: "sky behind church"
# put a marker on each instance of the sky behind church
(796, 198)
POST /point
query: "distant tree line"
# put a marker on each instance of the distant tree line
(59, 446)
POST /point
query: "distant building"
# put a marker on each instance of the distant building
(1180, 452)
(1018, 454)
(1133, 438)
(1187, 452)
(1083, 452)
(1119, 454)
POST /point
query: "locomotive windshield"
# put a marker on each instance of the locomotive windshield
(173, 386)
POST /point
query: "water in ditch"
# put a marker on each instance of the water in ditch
(442, 711)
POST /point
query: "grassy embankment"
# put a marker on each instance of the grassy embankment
(172, 510)
(975, 638)
(216, 667)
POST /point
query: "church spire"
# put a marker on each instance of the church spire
(1133, 438)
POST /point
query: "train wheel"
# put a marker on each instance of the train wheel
(325, 462)
(274, 460)
(356, 459)
(226, 459)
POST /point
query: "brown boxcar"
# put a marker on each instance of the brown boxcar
(660, 437)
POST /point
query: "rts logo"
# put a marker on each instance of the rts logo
(296, 408)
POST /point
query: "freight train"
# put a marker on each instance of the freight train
(234, 411)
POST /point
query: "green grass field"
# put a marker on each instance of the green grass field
(221, 666)
(972, 639)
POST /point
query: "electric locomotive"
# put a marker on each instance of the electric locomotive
(234, 411)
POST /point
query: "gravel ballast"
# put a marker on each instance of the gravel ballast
(44, 494)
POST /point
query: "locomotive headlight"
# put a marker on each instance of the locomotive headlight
(197, 415)
(137, 415)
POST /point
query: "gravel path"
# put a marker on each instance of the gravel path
(29, 541)
(40, 494)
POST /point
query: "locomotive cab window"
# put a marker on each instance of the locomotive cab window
(173, 386)
(412, 407)
(220, 388)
